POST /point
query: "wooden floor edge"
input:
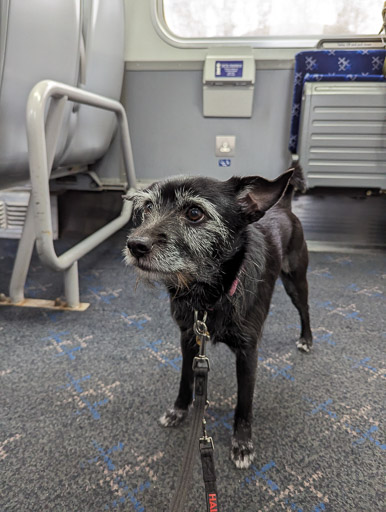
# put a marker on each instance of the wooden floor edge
(43, 303)
(315, 246)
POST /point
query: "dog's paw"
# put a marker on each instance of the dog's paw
(304, 345)
(242, 453)
(173, 417)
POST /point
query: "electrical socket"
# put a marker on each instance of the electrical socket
(225, 146)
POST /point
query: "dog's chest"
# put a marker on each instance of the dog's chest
(220, 320)
(223, 326)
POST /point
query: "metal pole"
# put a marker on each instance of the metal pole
(23, 257)
(42, 145)
(39, 170)
(71, 286)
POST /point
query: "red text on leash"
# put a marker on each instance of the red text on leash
(213, 502)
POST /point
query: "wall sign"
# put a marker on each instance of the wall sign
(229, 68)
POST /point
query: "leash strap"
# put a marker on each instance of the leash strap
(209, 474)
(201, 369)
(201, 374)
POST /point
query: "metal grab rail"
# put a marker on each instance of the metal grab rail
(42, 136)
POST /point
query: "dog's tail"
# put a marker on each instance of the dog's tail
(297, 182)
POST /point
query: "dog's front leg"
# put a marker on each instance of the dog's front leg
(174, 416)
(242, 451)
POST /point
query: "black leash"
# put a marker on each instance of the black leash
(201, 370)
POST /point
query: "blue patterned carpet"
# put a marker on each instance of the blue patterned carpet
(80, 395)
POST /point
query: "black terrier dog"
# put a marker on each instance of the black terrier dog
(219, 247)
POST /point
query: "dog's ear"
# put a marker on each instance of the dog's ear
(256, 195)
(135, 197)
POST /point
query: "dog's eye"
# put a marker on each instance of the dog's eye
(195, 214)
(148, 207)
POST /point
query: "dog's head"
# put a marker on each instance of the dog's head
(184, 229)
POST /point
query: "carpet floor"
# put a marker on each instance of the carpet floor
(81, 393)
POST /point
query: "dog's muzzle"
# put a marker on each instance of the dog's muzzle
(140, 246)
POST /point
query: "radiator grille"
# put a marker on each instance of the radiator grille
(3, 223)
(13, 211)
(343, 134)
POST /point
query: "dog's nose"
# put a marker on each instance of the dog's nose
(139, 246)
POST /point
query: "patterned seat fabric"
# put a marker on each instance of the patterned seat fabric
(332, 65)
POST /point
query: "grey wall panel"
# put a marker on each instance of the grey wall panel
(170, 135)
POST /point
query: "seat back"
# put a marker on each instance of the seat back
(332, 65)
(39, 40)
(103, 67)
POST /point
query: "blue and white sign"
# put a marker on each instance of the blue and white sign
(224, 162)
(229, 68)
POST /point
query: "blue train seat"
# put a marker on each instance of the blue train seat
(332, 65)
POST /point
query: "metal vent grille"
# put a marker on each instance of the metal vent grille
(343, 134)
(3, 223)
(15, 215)
(13, 211)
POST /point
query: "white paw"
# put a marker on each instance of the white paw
(303, 345)
(242, 453)
(173, 417)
